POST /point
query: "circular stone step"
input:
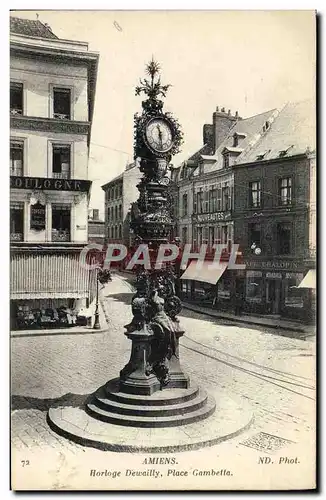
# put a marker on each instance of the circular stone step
(172, 406)
(230, 418)
(181, 417)
(164, 397)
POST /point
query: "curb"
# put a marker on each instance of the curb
(238, 319)
(49, 333)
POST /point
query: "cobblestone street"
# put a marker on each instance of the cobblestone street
(275, 374)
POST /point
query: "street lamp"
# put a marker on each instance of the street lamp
(256, 250)
(97, 325)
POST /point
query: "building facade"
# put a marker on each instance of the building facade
(96, 227)
(275, 210)
(206, 199)
(256, 188)
(120, 193)
(52, 92)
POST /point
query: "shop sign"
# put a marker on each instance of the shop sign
(44, 183)
(213, 217)
(274, 276)
(254, 274)
(272, 264)
(38, 217)
(298, 276)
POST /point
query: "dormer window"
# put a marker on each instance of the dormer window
(284, 152)
(262, 155)
(237, 137)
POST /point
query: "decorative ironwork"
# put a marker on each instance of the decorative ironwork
(49, 124)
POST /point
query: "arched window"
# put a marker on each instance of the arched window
(120, 232)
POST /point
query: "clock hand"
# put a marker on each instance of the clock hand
(160, 134)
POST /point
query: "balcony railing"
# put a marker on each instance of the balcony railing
(61, 116)
(61, 175)
(16, 111)
(18, 172)
(16, 237)
(60, 235)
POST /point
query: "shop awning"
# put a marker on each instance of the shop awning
(204, 272)
(42, 275)
(309, 281)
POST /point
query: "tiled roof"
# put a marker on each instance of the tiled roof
(30, 27)
(250, 128)
(204, 150)
(292, 131)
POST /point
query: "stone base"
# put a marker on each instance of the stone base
(228, 420)
(165, 408)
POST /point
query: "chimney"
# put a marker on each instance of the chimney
(222, 123)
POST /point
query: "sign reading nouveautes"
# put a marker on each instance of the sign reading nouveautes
(44, 183)
(212, 217)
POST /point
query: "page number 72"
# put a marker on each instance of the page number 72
(25, 462)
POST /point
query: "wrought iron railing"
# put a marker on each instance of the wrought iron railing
(16, 237)
(60, 235)
(61, 175)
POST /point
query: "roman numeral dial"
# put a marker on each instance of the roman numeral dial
(159, 135)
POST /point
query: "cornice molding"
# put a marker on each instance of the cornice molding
(49, 125)
(50, 51)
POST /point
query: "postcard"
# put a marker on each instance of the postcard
(163, 250)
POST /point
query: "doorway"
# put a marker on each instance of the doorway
(273, 293)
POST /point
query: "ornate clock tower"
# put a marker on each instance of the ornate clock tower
(158, 137)
(154, 330)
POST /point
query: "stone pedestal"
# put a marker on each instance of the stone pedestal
(178, 379)
(135, 377)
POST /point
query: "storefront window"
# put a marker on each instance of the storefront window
(205, 292)
(16, 221)
(224, 288)
(186, 288)
(254, 286)
(293, 296)
(61, 223)
(43, 313)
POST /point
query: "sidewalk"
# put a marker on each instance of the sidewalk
(308, 330)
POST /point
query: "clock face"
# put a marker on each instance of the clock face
(159, 135)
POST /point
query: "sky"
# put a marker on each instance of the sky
(246, 61)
